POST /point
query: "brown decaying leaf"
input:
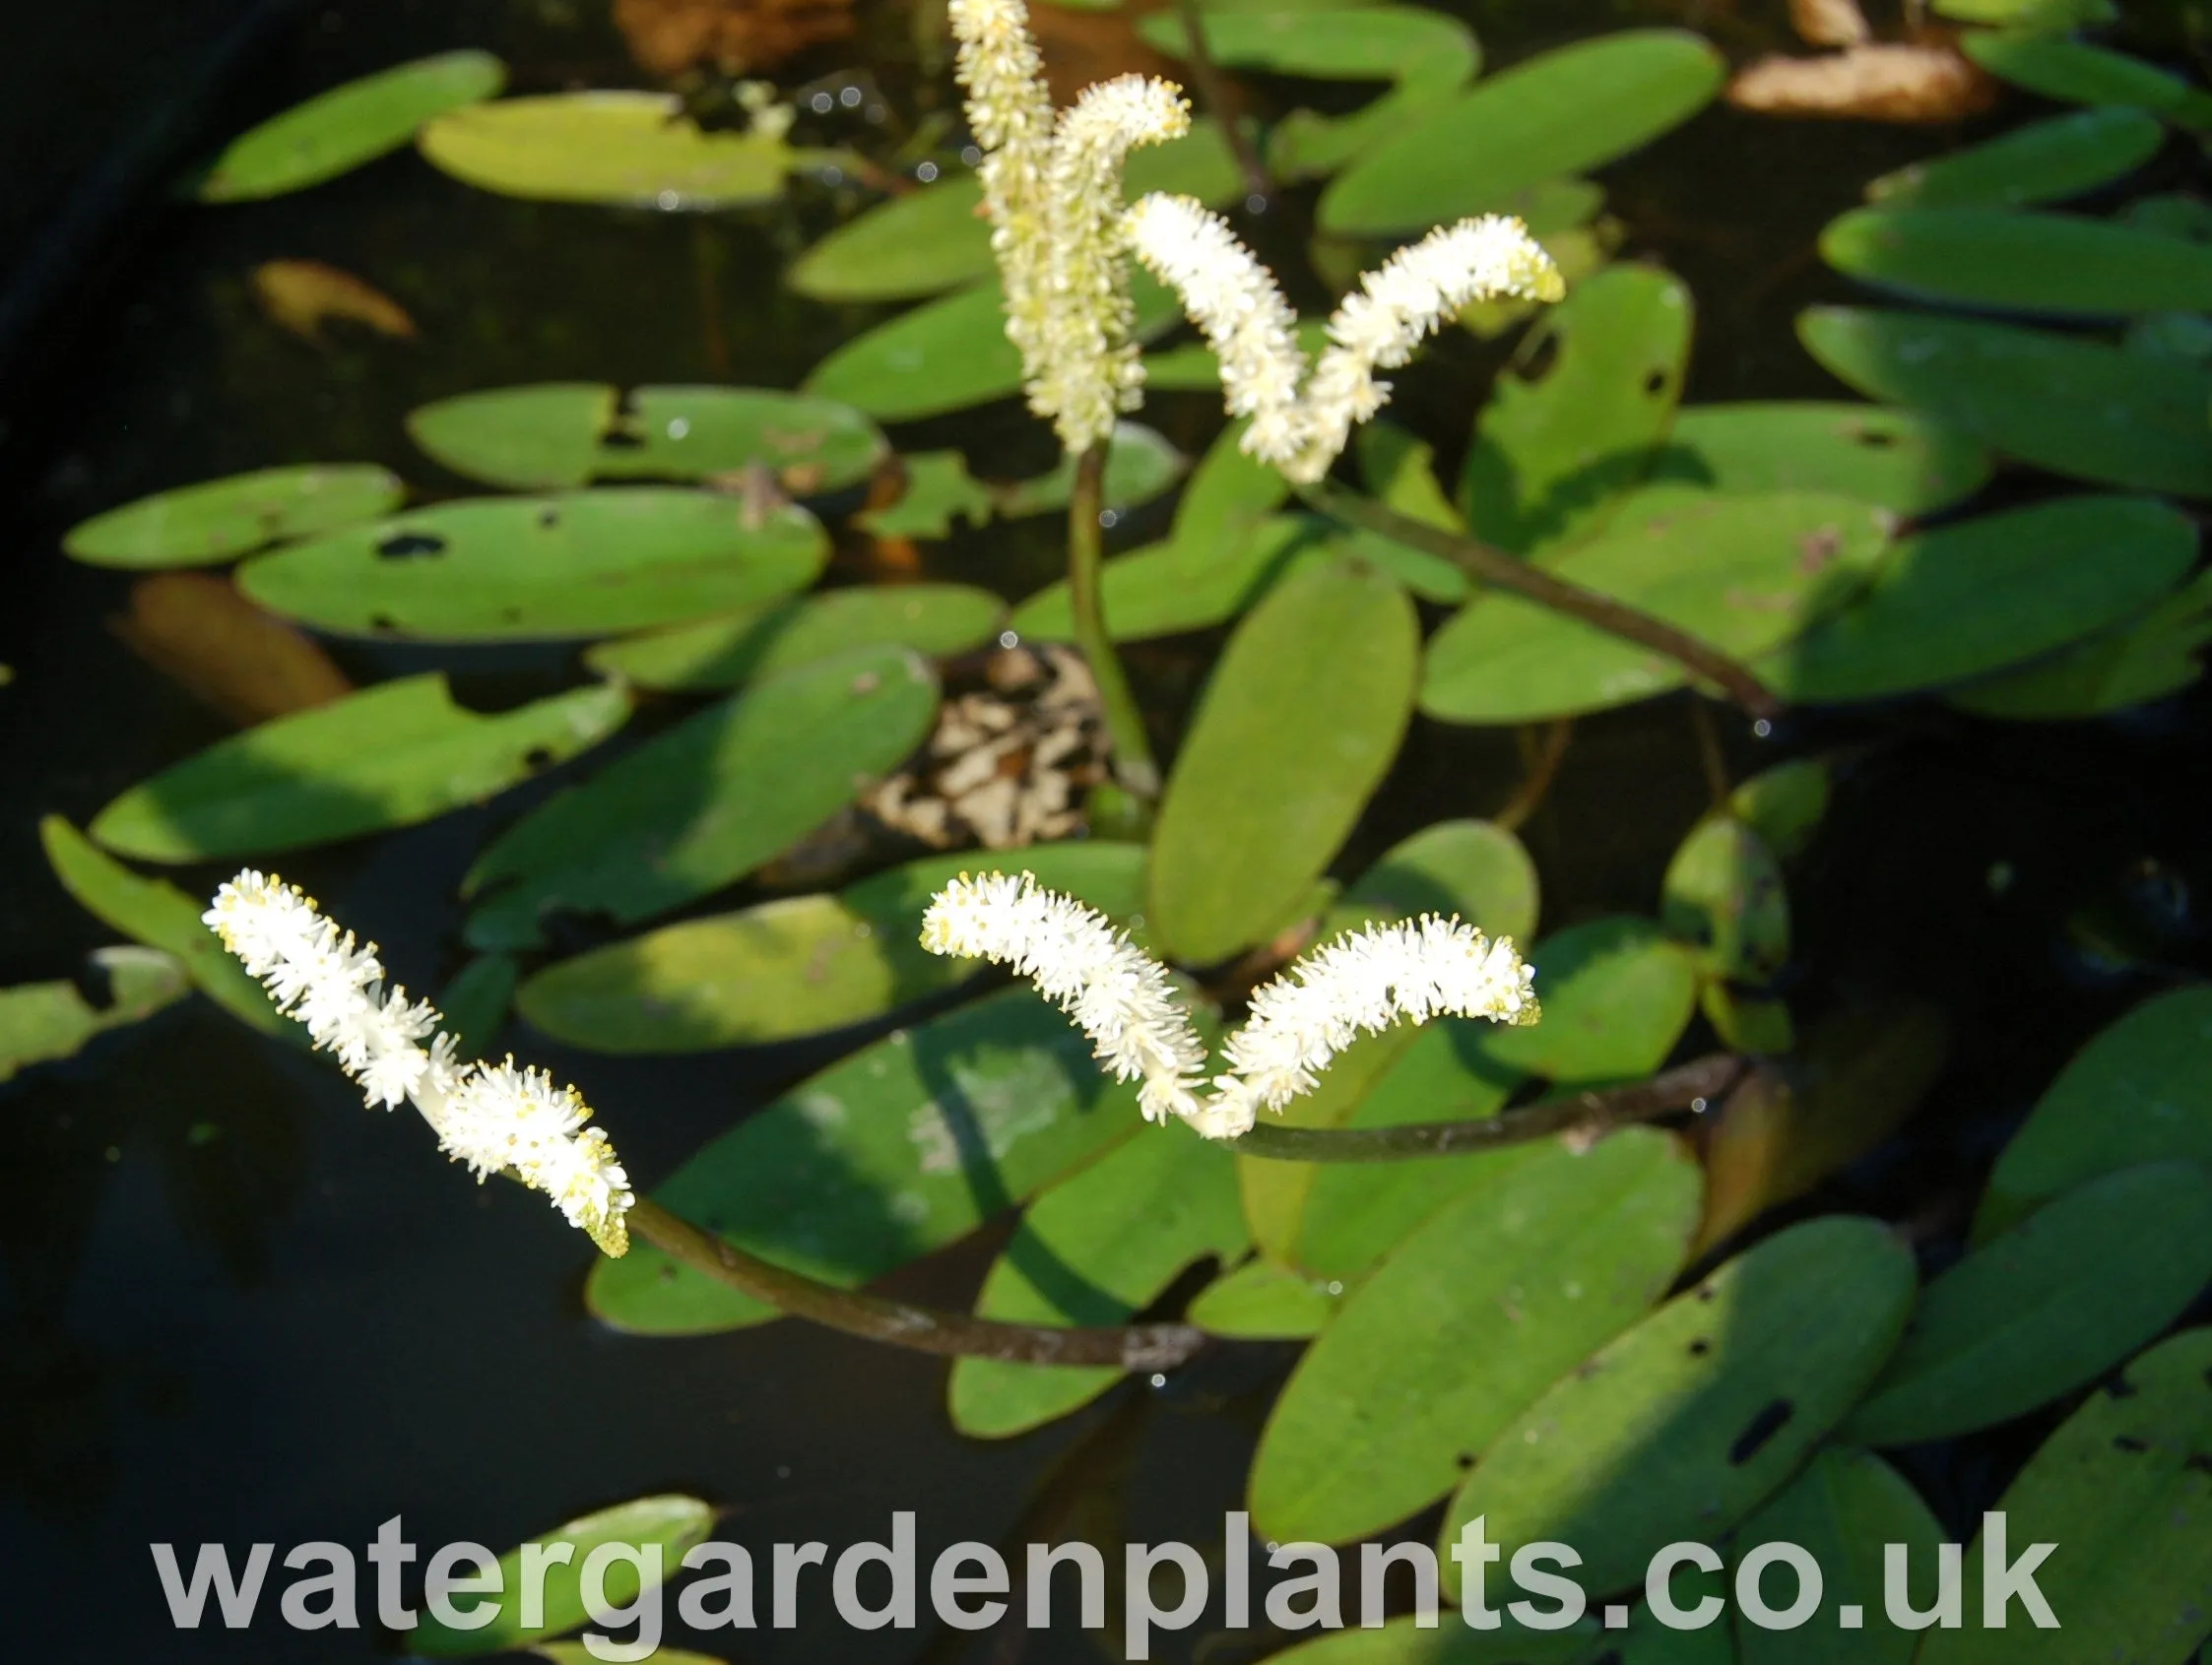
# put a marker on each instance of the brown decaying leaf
(1790, 1126)
(1868, 82)
(1829, 23)
(302, 296)
(198, 631)
(735, 36)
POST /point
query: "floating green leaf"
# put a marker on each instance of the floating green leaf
(1745, 574)
(1785, 805)
(347, 126)
(895, 1151)
(2140, 1091)
(1551, 454)
(1476, 870)
(2017, 261)
(1093, 1250)
(2075, 406)
(1288, 742)
(1682, 1426)
(1262, 1302)
(1842, 1510)
(1978, 595)
(2075, 73)
(626, 150)
(1400, 474)
(1425, 55)
(2122, 1488)
(40, 1022)
(1566, 111)
(160, 916)
(200, 525)
(937, 491)
(1616, 996)
(477, 1001)
(1723, 895)
(1164, 589)
(1896, 460)
(705, 803)
(583, 563)
(1143, 464)
(797, 965)
(934, 619)
(1228, 494)
(388, 756)
(670, 1523)
(1531, 1267)
(2139, 660)
(2050, 1305)
(2048, 161)
(554, 434)
(920, 244)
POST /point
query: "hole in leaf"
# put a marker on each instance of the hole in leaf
(1706, 1292)
(383, 623)
(1875, 439)
(1463, 1461)
(2199, 1462)
(620, 439)
(403, 545)
(1700, 1347)
(538, 757)
(1770, 1420)
(1654, 383)
(2130, 1443)
(549, 517)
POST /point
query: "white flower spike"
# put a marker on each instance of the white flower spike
(1300, 424)
(494, 1117)
(1363, 981)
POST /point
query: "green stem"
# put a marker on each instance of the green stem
(1214, 92)
(903, 1323)
(1689, 1086)
(1133, 767)
(1480, 561)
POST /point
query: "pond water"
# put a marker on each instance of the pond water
(237, 1309)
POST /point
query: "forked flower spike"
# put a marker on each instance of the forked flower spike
(1362, 983)
(494, 1116)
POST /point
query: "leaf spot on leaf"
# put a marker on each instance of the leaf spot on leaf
(402, 545)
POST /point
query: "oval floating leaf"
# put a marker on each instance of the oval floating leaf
(2075, 406)
(1681, 1426)
(1844, 1511)
(339, 130)
(2020, 262)
(936, 621)
(1167, 588)
(1291, 738)
(1566, 111)
(707, 802)
(2140, 1091)
(200, 525)
(156, 912)
(1978, 595)
(1476, 869)
(2122, 1488)
(1722, 894)
(2142, 659)
(584, 563)
(2054, 1303)
(897, 1150)
(1745, 574)
(1262, 1302)
(2075, 73)
(1895, 459)
(920, 244)
(388, 756)
(672, 1523)
(1093, 1250)
(1551, 455)
(1530, 1268)
(1143, 464)
(2044, 162)
(629, 150)
(537, 437)
(41, 1022)
(797, 965)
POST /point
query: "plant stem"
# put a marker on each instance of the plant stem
(1480, 561)
(902, 1324)
(1688, 1086)
(1213, 91)
(1133, 767)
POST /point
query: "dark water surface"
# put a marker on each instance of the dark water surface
(236, 1308)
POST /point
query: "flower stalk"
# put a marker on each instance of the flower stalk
(1135, 768)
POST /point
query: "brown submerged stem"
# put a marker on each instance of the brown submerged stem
(904, 1323)
(1480, 561)
(1214, 92)
(1688, 1086)
(1134, 766)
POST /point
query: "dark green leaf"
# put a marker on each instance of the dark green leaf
(626, 150)
(1262, 1302)
(388, 756)
(2015, 261)
(477, 1001)
(2080, 74)
(1682, 1426)
(1476, 870)
(1165, 588)
(2075, 406)
(1289, 740)
(584, 563)
(705, 803)
(341, 129)
(1895, 459)
(1568, 110)
(934, 619)
(1785, 805)
(2142, 659)
(2046, 160)
(897, 1150)
(1723, 895)
(40, 1022)
(1142, 465)
(919, 244)
(200, 525)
